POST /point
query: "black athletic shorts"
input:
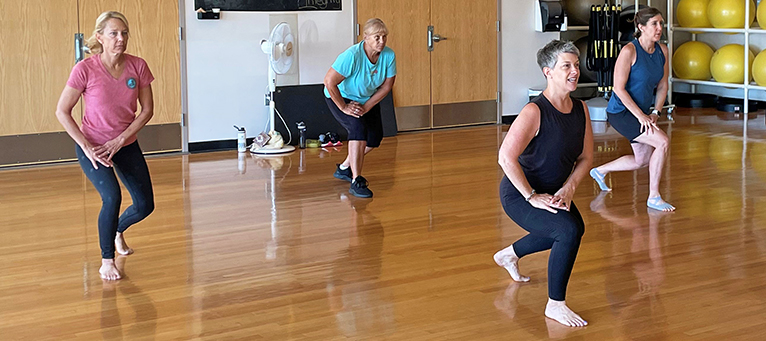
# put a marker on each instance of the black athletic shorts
(368, 128)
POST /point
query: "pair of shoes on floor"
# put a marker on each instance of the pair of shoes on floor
(330, 139)
(359, 187)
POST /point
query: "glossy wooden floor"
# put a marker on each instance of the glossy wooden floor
(278, 251)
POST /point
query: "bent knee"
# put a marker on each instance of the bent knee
(571, 232)
(145, 208)
(113, 199)
(662, 141)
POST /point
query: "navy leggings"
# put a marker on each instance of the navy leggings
(560, 232)
(130, 166)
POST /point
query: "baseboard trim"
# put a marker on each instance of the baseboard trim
(213, 146)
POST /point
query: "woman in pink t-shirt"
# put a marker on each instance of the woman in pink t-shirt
(110, 83)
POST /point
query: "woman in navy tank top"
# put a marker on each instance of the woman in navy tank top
(641, 68)
(546, 153)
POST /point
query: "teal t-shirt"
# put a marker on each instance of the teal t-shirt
(363, 77)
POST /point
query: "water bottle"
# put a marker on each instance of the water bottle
(241, 139)
(302, 131)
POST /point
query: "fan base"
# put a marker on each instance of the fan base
(266, 150)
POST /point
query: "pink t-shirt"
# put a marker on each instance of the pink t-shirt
(110, 103)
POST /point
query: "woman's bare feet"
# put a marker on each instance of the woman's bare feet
(558, 311)
(508, 259)
(121, 246)
(556, 330)
(109, 271)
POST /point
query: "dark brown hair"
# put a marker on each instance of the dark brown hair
(642, 18)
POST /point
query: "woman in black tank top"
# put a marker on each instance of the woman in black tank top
(546, 153)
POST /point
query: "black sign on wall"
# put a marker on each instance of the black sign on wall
(269, 5)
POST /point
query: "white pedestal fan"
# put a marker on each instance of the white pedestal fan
(279, 48)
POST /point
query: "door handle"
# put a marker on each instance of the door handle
(78, 48)
(433, 38)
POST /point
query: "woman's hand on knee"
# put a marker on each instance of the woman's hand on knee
(647, 124)
(542, 201)
(563, 198)
(654, 117)
(92, 155)
(107, 150)
(353, 109)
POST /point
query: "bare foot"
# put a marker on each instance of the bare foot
(558, 311)
(121, 246)
(556, 330)
(507, 258)
(109, 271)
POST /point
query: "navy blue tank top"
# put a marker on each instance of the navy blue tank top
(644, 76)
(550, 157)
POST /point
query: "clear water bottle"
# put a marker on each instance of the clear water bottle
(302, 131)
(241, 139)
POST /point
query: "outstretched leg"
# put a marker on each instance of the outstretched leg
(640, 159)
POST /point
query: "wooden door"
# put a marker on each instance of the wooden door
(407, 22)
(37, 39)
(456, 83)
(464, 66)
(153, 37)
(36, 56)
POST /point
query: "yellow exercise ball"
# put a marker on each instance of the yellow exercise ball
(692, 61)
(759, 68)
(692, 13)
(727, 64)
(729, 13)
(762, 15)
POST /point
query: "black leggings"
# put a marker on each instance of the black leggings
(560, 232)
(131, 167)
(368, 128)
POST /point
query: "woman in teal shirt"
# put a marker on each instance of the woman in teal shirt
(354, 86)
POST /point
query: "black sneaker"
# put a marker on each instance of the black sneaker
(359, 188)
(343, 174)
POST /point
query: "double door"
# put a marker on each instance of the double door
(446, 58)
(39, 51)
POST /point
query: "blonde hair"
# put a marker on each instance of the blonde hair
(374, 26)
(92, 43)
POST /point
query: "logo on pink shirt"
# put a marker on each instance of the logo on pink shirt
(131, 83)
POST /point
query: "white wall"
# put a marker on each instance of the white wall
(227, 72)
(520, 43)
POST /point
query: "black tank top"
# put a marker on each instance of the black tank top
(550, 157)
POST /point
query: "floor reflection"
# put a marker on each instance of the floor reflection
(636, 271)
(122, 325)
(361, 305)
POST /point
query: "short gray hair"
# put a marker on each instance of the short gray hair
(549, 54)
